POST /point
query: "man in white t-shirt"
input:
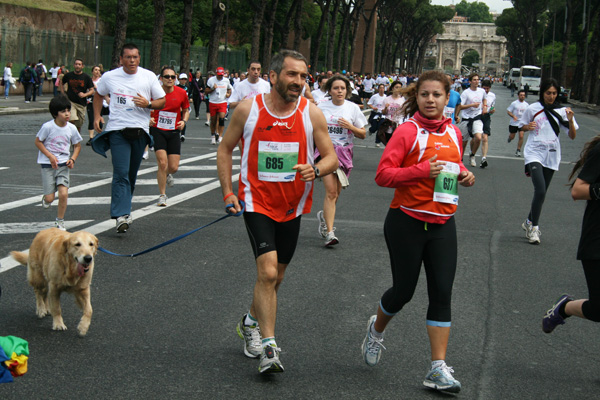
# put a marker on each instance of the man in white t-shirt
(249, 87)
(383, 80)
(319, 95)
(219, 89)
(133, 91)
(368, 86)
(402, 78)
(490, 98)
(473, 105)
(515, 112)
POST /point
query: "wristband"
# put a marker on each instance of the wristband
(228, 196)
(595, 191)
(72, 160)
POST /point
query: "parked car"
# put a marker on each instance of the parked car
(563, 96)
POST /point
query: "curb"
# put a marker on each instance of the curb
(19, 111)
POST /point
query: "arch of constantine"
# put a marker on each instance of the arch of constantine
(459, 37)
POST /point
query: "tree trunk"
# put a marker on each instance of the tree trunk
(120, 32)
(316, 42)
(298, 25)
(186, 35)
(369, 20)
(356, 14)
(216, 24)
(343, 37)
(157, 35)
(257, 20)
(566, 43)
(331, 34)
(268, 42)
(285, 27)
(595, 66)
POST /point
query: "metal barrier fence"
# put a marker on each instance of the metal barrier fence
(22, 44)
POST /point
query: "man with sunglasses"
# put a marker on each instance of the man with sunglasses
(133, 92)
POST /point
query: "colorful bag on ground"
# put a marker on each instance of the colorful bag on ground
(14, 354)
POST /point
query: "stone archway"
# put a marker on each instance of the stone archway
(448, 65)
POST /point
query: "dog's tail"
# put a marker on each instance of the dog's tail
(21, 257)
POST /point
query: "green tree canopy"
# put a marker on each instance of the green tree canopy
(475, 12)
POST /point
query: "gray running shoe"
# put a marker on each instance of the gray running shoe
(170, 180)
(371, 346)
(518, 153)
(534, 235)
(251, 336)
(472, 161)
(552, 318)
(269, 360)
(484, 163)
(322, 224)
(162, 200)
(440, 378)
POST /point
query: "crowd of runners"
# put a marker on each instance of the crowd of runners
(292, 129)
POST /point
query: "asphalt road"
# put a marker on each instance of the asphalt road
(164, 323)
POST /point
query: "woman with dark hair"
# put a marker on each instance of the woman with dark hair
(392, 112)
(197, 86)
(344, 121)
(546, 120)
(585, 187)
(419, 227)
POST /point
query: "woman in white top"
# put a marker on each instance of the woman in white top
(7, 78)
(545, 121)
(393, 109)
(344, 121)
(96, 75)
(377, 104)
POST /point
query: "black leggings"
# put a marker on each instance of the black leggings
(591, 308)
(268, 235)
(541, 178)
(411, 242)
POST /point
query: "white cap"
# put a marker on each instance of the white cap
(183, 75)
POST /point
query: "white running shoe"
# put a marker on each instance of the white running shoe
(322, 224)
(440, 378)
(213, 140)
(145, 155)
(527, 227)
(251, 336)
(123, 223)
(371, 346)
(45, 204)
(170, 180)
(207, 123)
(269, 360)
(534, 235)
(60, 224)
(518, 153)
(162, 200)
(331, 239)
(472, 161)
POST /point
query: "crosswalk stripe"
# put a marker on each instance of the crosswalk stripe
(86, 201)
(178, 181)
(203, 168)
(34, 199)
(35, 227)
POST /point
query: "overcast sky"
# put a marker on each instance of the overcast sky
(494, 5)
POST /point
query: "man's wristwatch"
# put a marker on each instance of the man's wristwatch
(149, 104)
(317, 172)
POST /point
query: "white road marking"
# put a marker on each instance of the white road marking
(178, 181)
(1, 168)
(35, 227)
(203, 168)
(86, 201)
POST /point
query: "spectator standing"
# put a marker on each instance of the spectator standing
(197, 87)
(27, 79)
(41, 71)
(8, 78)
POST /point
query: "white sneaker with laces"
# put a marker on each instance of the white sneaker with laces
(372, 345)
(45, 204)
(170, 180)
(145, 155)
(527, 227)
(213, 140)
(472, 161)
(251, 336)
(322, 224)
(123, 223)
(534, 235)
(331, 239)
(440, 378)
(162, 200)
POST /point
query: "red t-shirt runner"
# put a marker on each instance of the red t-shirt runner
(168, 118)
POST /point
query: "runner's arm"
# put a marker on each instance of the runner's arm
(232, 136)
(329, 161)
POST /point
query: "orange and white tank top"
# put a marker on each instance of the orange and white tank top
(435, 197)
(271, 146)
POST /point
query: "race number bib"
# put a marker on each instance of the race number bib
(446, 184)
(123, 99)
(166, 120)
(338, 135)
(276, 159)
(448, 111)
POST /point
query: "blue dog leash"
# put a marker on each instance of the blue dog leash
(158, 246)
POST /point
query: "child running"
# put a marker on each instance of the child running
(54, 141)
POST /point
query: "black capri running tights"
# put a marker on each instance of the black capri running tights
(591, 308)
(541, 178)
(411, 242)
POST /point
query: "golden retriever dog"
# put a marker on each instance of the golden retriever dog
(59, 261)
